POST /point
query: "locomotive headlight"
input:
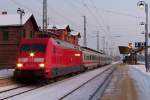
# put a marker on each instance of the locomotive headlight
(19, 65)
(32, 54)
(42, 65)
(77, 54)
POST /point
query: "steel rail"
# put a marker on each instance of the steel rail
(103, 72)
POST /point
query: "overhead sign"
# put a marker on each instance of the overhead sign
(140, 44)
(124, 50)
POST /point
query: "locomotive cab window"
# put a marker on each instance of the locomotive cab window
(33, 47)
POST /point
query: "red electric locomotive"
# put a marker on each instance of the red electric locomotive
(47, 58)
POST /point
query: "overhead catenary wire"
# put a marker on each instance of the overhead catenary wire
(103, 22)
(97, 9)
(57, 12)
(70, 20)
(97, 12)
(40, 13)
(96, 19)
(104, 10)
(114, 12)
(70, 2)
(92, 14)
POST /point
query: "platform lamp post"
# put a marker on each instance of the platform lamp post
(21, 13)
(143, 4)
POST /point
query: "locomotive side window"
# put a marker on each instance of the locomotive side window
(33, 47)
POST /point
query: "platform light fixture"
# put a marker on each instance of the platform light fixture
(21, 12)
(143, 4)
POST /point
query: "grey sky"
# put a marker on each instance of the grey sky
(122, 17)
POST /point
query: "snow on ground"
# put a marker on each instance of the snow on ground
(5, 88)
(141, 62)
(5, 73)
(58, 89)
(112, 63)
(141, 81)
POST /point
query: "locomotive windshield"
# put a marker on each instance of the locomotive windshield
(33, 47)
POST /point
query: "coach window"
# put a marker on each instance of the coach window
(85, 56)
(89, 57)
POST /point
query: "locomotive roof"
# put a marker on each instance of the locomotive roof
(66, 44)
(91, 50)
(35, 39)
(56, 41)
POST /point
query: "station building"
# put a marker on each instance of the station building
(12, 31)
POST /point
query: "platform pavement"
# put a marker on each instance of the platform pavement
(121, 86)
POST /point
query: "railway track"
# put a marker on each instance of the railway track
(7, 85)
(18, 89)
(9, 88)
(15, 91)
(103, 79)
(74, 94)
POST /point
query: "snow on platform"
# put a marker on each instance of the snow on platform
(56, 90)
(142, 81)
(6, 73)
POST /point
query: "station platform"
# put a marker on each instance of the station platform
(122, 85)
